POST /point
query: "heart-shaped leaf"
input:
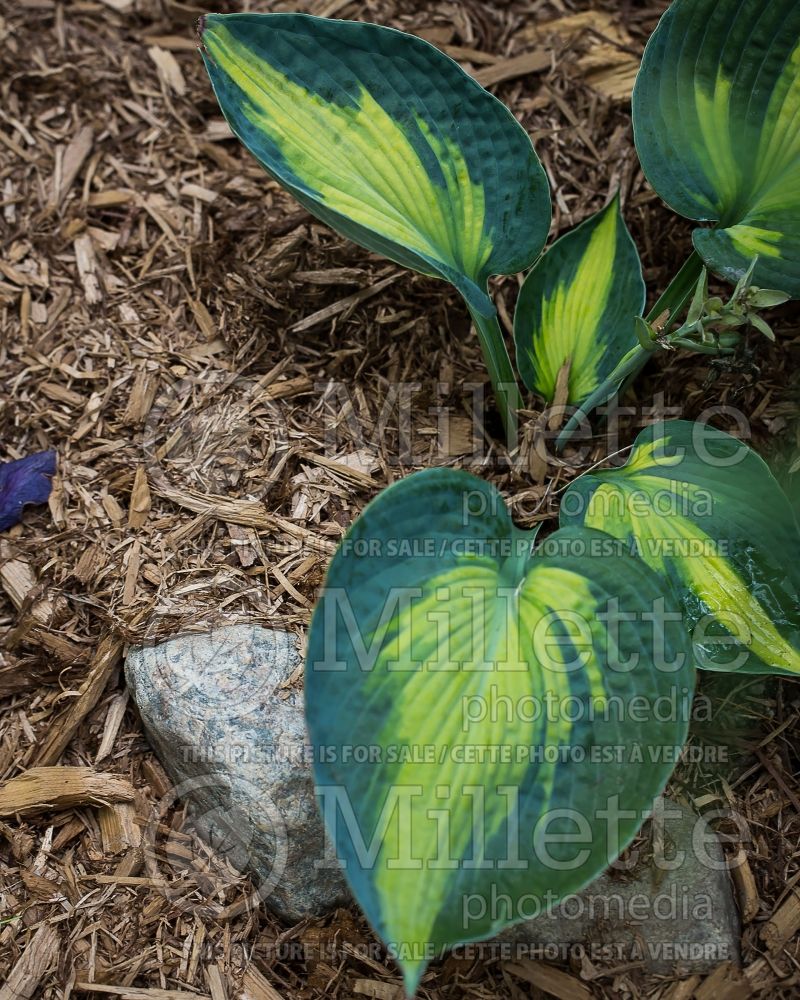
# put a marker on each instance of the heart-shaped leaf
(703, 509)
(579, 306)
(716, 113)
(477, 710)
(385, 139)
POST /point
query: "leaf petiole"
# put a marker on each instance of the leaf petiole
(498, 363)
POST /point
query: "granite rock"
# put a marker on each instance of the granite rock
(228, 726)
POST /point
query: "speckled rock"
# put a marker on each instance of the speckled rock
(226, 723)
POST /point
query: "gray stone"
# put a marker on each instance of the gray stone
(672, 909)
(228, 727)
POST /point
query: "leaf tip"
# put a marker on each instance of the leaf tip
(412, 970)
(200, 28)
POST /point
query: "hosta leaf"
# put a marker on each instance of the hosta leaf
(579, 304)
(704, 510)
(386, 139)
(457, 691)
(716, 112)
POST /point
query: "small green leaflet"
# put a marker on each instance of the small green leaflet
(579, 305)
(385, 139)
(704, 510)
(459, 688)
(716, 114)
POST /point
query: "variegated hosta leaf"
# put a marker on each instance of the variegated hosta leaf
(716, 112)
(579, 304)
(704, 510)
(386, 139)
(461, 693)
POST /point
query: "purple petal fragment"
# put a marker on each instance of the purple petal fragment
(27, 480)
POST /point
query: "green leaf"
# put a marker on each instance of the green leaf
(767, 298)
(385, 139)
(697, 307)
(761, 325)
(716, 113)
(704, 510)
(481, 682)
(580, 304)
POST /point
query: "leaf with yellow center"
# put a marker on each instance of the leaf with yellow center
(386, 139)
(458, 688)
(702, 509)
(578, 306)
(716, 113)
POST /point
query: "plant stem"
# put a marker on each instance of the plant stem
(498, 363)
(679, 290)
(692, 345)
(677, 294)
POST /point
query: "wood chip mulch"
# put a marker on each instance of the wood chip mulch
(219, 376)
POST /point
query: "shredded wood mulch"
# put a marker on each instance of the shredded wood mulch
(227, 383)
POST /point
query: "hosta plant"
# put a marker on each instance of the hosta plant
(493, 714)
(487, 707)
(390, 142)
(458, 684)
(716, 119)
